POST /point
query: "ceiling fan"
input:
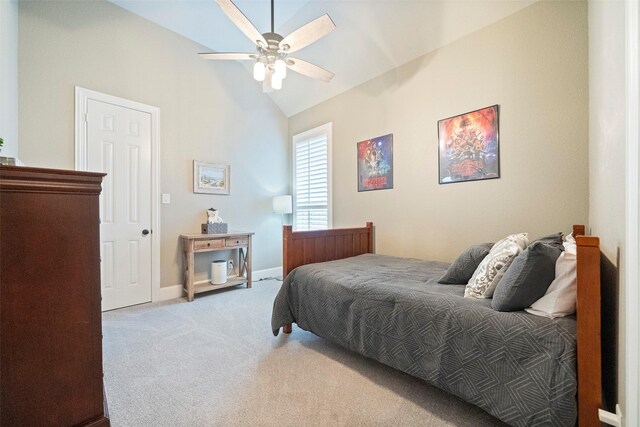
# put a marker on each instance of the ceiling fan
(272, 57)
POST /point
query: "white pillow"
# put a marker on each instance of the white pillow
(493, 266)
(560, 299)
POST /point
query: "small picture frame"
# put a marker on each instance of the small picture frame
(211, 178)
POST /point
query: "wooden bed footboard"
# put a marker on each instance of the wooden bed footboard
(307, 247)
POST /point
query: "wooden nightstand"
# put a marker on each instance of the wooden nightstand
(200, 243)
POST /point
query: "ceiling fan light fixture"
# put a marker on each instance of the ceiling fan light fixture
(259, 71)
(271, 59)
(276, 82)
(280, 69)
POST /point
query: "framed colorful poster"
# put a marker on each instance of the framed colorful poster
(375, 163)
(468, 146)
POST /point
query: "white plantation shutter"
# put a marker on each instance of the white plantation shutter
(312, 179)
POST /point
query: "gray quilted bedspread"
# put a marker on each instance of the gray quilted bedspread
(518, 367)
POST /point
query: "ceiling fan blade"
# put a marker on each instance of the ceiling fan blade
(308, 69)
(241, 21)
(307, 34)
(235, 56)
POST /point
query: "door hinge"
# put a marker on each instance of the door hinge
(86, 117)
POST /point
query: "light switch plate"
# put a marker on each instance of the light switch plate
(166, 198)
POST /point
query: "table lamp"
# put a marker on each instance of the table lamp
(282, 205)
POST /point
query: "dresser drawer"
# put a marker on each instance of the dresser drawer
(238, 241)
(208, 244)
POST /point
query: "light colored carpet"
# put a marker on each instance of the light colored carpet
(214, 362)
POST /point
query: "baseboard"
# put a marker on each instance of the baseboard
(175, 291)
(170, 292)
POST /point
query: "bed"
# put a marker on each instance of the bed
(523, 369)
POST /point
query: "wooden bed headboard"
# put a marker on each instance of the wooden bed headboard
(306, 247)
(588, 325)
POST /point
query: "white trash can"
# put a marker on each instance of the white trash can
(219, 272)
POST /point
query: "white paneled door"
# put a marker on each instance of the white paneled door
(119, 144)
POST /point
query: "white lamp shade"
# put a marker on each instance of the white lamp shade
(276, 83)
(258, 71)
(280, 69)
(282, 205)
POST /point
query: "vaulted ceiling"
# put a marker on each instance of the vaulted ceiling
(371, 38)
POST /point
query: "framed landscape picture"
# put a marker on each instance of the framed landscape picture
(375, 163)
(211, 178)
(468, 146)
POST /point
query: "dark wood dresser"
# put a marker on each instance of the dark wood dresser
(50, 319)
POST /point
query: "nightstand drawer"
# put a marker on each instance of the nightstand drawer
(208, 244)
(240, 241)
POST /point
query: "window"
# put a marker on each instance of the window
(312, 179)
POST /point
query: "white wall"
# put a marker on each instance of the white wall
(9, 77)
(607, 161)
(534, 64)
(210, 111)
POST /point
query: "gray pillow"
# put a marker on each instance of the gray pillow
(554, 239)
(527, 279)
(461, 270)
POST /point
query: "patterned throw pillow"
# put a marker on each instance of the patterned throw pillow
(492, 268)
(461, 270)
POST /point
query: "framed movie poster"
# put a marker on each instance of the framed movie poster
(468, 146)
(375, 163)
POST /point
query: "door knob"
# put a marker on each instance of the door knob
(145, 232)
